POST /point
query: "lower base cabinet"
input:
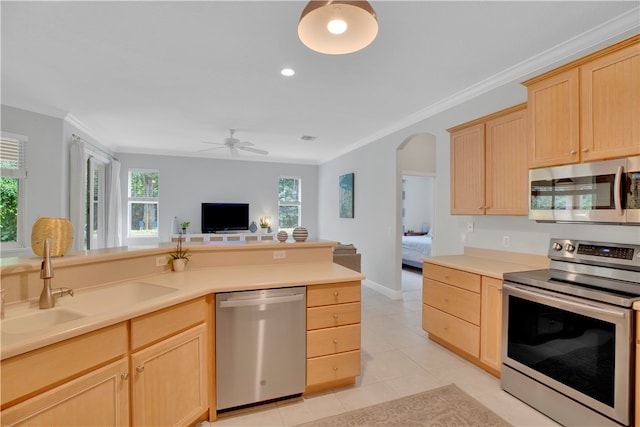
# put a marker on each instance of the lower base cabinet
(169, 380)
(100, 397)
(463, 312)
(333, 335)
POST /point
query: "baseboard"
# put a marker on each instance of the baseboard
(390, 293)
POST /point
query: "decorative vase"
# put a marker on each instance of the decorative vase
(300, 234)
(264, 230)
(178, 264)
(283, 236)
(253, 227)
(59, 230)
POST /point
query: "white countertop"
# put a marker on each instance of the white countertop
(190, 284)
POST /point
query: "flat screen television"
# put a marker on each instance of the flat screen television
(221, 217)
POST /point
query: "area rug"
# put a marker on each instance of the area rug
(441, 407)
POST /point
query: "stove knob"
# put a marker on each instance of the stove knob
(570, 248)
(557, 246)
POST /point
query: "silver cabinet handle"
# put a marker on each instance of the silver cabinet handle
(140, 369)
(125, 376)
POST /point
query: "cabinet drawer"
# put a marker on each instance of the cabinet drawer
(451, 276)
(331, 368)
(160, 324)
(457, 332)
(333, 293)
(333, 340)
(458, 302)
(333, 315)
(38, 369)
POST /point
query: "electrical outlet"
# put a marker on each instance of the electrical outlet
(470, 226)
(161, 260)
(279, 254)
(506, 241)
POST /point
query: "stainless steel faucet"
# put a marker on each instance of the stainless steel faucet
(48, 295)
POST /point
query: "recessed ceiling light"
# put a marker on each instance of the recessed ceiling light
(287, 72)
(307, 138)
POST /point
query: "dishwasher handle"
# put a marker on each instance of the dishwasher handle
(260, 301)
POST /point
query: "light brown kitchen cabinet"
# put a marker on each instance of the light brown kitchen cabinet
(52, 385)
(462, 311)
(101, 395)
(586, 110)
(489, 174)
(451, 309)
(169, 367)
(333, 335)
(491, 324)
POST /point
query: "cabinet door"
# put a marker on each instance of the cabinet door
(507, 174)
(610, 105)
(170, 381)
(467, 171)
(553, 120)
(491, 323)
(100, 397)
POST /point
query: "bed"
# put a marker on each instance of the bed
(415, 247)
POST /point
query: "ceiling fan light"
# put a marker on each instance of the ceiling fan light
(360, 26)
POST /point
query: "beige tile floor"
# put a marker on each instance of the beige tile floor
(397, 360)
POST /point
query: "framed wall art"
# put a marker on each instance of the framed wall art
(345, 190)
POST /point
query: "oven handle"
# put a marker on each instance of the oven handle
(584, 307)
(617, 196)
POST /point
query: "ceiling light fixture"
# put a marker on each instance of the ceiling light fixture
(337, 27)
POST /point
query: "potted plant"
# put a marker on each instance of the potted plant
(184, 225)
(178, 259)
(265, 223)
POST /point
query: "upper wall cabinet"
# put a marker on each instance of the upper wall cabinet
(489, 174)
(588, 109)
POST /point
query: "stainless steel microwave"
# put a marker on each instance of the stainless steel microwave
(605, 191)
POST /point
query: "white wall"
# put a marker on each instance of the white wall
(186, 182)
(375, 230)
(45, 158)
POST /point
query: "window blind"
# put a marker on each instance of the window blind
(12, 158)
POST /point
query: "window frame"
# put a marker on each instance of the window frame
(146, 200)
(297, 204)
(21, 175)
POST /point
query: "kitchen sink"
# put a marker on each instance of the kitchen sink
(38, 320)
(112, 297)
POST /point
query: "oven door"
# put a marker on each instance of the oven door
(580, 348)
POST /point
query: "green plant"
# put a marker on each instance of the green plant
(179, 253)
(264, 222)
(185, 224)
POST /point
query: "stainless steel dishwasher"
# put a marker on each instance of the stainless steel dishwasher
(260, 345)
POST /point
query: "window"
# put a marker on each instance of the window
(12, 190)
(143, 203)
(289, 203)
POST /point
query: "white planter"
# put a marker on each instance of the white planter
(179, 264)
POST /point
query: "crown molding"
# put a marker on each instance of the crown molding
(609, 32)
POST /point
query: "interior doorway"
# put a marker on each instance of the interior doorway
(417, 186)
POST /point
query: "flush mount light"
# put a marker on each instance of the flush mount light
(337, 27)
(287, 72)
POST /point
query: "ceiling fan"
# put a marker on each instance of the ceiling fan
(234, 144)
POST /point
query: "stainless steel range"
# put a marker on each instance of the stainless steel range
(568, 333)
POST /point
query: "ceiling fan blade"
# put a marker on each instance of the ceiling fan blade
(254, 150)
(243, 144)
(209, 149)
(213, 143)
